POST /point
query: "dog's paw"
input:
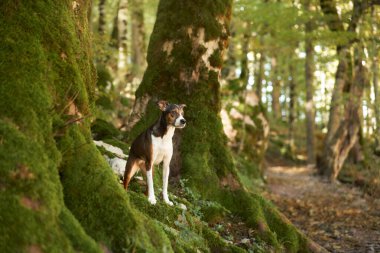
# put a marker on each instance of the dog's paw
(153, 201)
(168, 202)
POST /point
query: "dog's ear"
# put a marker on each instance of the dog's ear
(181, 106)
(162, 104)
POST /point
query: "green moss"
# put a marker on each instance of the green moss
(104, 101)
(102, 129)
(216, 59)
(37, 63)
(186, 232)
(80, 241)
(107, 215)
(30, 195)
(104, 77)
(46, 74)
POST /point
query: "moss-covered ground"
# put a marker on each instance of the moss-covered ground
(207, 221)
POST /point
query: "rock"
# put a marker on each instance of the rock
(117, 165)
(245, 241)
(182, 206)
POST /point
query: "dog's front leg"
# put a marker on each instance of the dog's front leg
(149, 179)
(165, 179)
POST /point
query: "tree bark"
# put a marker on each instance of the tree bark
(309, 78)
(260, 72)
(229, 68)
(244, 75)
(342, 88)
(292, 111)
(102, 17)
(138, 38)
(184, 64)
(375, 82)
(58, 194)
(348, 131)
(276, 90)
(122, 40)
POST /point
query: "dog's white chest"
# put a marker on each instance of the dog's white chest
(163, 147)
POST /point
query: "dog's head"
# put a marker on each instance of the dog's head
(172, 113)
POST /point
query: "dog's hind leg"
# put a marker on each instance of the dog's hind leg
(130, 169)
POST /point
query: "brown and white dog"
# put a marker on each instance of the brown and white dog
(155, 145)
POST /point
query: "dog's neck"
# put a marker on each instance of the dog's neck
(161, 128)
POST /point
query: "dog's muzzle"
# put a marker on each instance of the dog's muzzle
(180, 123)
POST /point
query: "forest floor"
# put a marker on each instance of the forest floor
(339, 217)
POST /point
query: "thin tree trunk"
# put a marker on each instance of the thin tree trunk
(138, 38)
(276, 89)
(292, 111)
(260, 74)
(102, 17)
(309, 78)
(375, 81)
(244, 75)
(122, 39)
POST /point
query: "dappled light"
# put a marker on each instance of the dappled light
(190, 126)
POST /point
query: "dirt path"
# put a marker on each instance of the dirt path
(338, 217)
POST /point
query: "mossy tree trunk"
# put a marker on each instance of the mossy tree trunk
(184, 64)
(57, 192)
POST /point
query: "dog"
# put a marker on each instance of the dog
(153, 146)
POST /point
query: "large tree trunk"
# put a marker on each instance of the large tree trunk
(138, 38)
(309, 78)
(57, 192)
(184, 63)
(229, 68)
(348, 131)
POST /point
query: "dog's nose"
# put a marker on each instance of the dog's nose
(183, 121)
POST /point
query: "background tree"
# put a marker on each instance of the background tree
(339, 143)
(309, 77)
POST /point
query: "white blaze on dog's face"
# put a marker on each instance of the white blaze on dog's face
(173, 114)
(180, 121)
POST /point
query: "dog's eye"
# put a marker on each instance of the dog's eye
(172, 114)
